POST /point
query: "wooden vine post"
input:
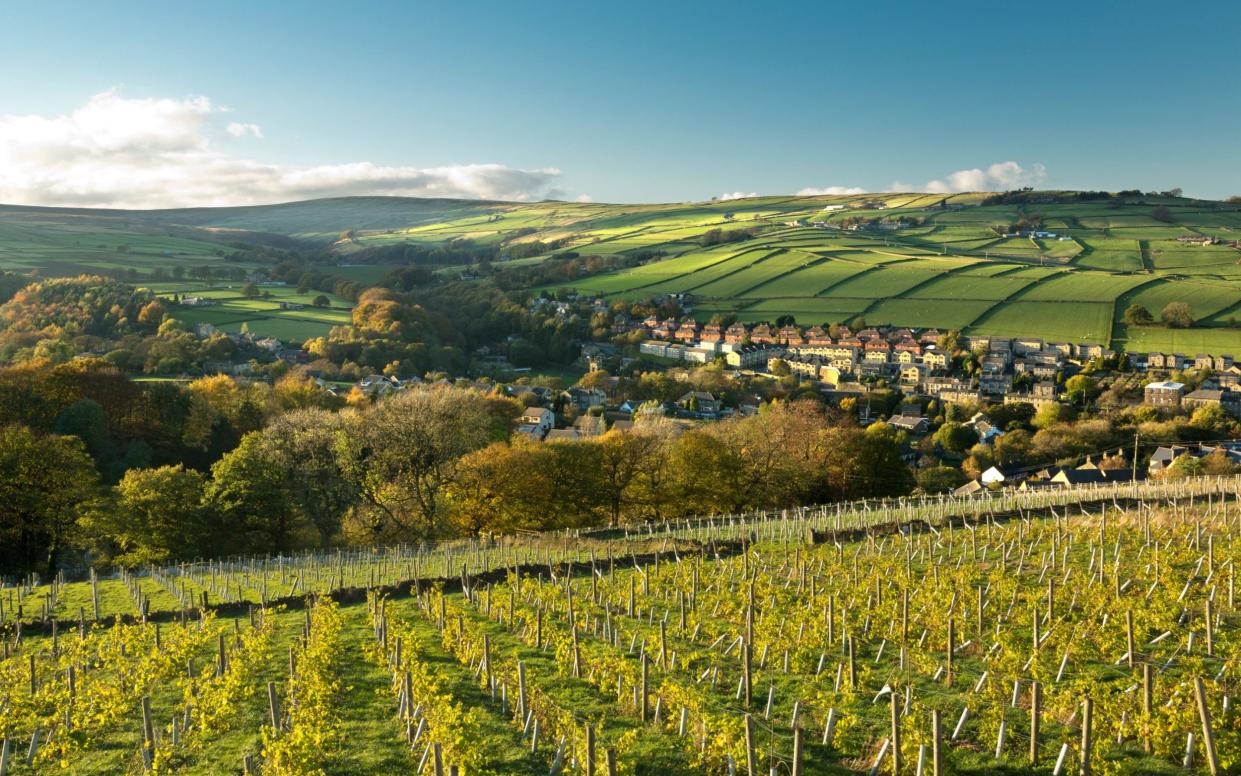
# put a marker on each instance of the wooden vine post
(751, 763)
(273, 706)
(1036, 709)
(1087, 741)
(1208, 735)
(643, 699)
(951, 647)
(746, 658)
(1129, 635)
(896, 732)
(1147, 698)
(590, 750)
(797, 751)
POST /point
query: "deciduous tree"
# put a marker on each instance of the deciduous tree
(46, 483)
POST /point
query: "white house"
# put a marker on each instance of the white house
(1001, 476)
(535, 422)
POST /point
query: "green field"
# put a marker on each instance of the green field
(952, 270)
(947, 264)
(266, 316)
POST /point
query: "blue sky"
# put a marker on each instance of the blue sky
(619, 102)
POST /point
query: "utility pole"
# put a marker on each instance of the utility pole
(1135, 455)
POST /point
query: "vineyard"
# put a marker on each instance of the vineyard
(1073, 631)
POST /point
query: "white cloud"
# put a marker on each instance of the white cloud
(736, 195)
(237, 129)
(1001, 176)
(811, 191)
(121, 152)
(585, 198)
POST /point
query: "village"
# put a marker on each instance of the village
(865, 369)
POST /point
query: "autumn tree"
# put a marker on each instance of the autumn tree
(706, 477)
(501, 487)
(295, 392)
(1081, 388)
(152, 314)
(862, 465)
(1014, 447)
(1177, 315)
(86, 420)
(404, 450)
(622, 455)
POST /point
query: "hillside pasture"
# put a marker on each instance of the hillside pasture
(806, 311)
(1111, 261)
(1189, 342)
(884, 282)
(809, 280)
(268, 317)
(1079, 322)
(1204, 298)
(938, 313)
(1081, 287)
(960, 285)
(1195, 259)
(764, 269)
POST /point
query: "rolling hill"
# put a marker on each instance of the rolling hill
(1060, 265)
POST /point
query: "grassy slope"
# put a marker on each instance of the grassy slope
(1075, 289)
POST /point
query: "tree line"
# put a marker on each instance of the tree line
(424, 464)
